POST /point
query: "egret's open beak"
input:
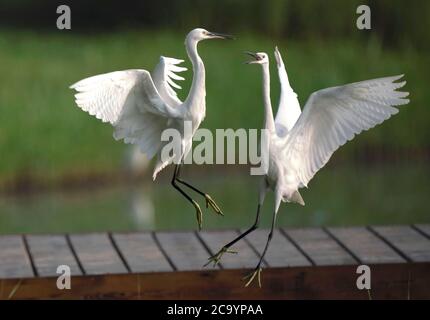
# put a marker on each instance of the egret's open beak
(216, 35)
(255, 57)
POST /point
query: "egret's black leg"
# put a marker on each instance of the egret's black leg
(186, 183)
(209, 200)
(269, 239)
(199, 214)
(257, 270)
(216, 257)
(252, 228)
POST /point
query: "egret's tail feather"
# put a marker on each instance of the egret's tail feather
(160, 165)
(297, 198)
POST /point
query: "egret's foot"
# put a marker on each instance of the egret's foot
(199, 214)
(250, 277)
(217, 257)
(212, 203)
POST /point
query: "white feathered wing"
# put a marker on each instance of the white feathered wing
(164, 75)
(138, 106)
(333, 116)
(289, 107)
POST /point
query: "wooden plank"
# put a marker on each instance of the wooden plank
(245, 257)
(97, 254)
(389, 281)
(410, 242)
(184, 249)
(320, 247)
(49, 252)
(14, 260)
(281, 252)
(366, 246)
(141, 252)
(424, 228)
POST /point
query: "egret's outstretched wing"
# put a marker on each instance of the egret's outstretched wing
(130, 102)
(289, 106)
(164, 75)
(105, 96)
(333, 116)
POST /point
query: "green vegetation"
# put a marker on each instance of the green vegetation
(44, 134)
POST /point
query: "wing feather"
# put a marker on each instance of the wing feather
(164, 75)
(107, 95)
(129, 101)
(289, 106)
(333, 116)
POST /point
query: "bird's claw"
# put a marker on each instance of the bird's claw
(217, 256)
(252, 275)
(212, 203)
(199, 214)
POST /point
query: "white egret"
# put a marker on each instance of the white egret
(141, 105)
(299, 144)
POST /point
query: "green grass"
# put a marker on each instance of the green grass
(44, 134)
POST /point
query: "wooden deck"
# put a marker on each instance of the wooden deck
(301, 263)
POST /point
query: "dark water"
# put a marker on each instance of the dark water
(345, 195)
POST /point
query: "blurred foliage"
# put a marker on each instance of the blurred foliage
(395, 22)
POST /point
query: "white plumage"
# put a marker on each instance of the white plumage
(164, 75)
(140, 105)
(300, 143)
(333, 116)
(289, 106)
(129, 101)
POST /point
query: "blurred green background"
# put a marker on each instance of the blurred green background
(60, 169)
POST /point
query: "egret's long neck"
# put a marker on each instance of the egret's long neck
(197, 92)
(269, 123)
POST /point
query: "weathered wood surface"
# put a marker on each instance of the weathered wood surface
(322, 249)
(97, 254)
(184, 249)
(424, 229)
(365, 246)
(14, 260)
(141, 252)
(411, 244)
(50, 251)
(301, 263)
